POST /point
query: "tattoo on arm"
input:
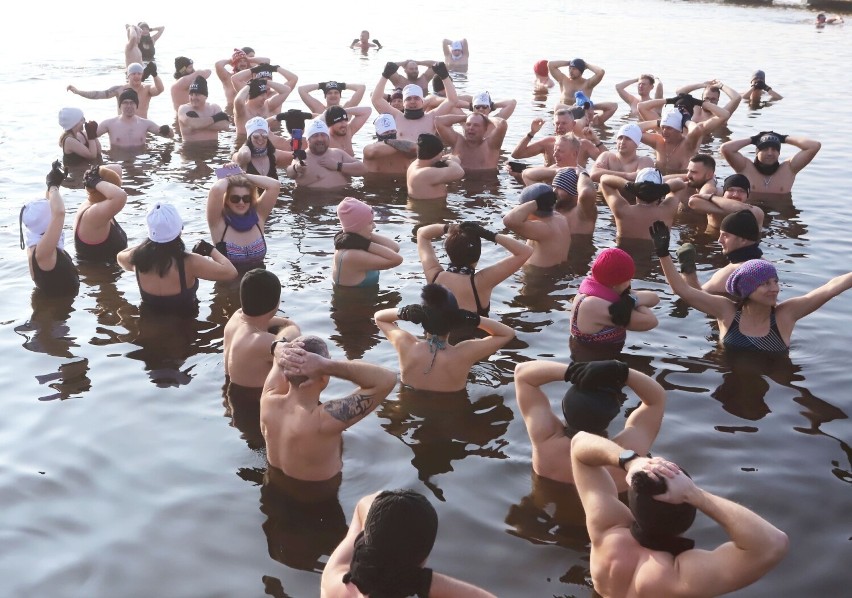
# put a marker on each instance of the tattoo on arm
(349, 408)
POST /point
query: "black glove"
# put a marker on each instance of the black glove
(661, 237)
(344, 240)
(672, 100)
(294, 119)
(479, 230)
(92, 177)
(220, 116)
(300, 155)
(91, 129)
(355, 41)
(783, 138)
(192, 114)
(202, 248)
(166, 131)
(591, 375)
(412, 313)
(390, 69)
(375, 41)
(56, 175)
(321, 86)
(760, 84)
(150, 70)
(686, 258)
(261, 67)
(440, 69)
(693, 100)
(621, 311)
(755, 139)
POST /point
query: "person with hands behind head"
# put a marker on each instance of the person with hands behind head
(756, 89)
(41, 222)
(241, 59)
(711, 93)
(479, 147)
(263, 151)
(547, 231)
(413, 119)
(236, 216)
(360, 253)
(644, 84)
(385, 551)
(332, 91)
(432, 363)
(655, 200)
(766, 174)
(427, 176)
(753, 319)
(574, 81)
(79, 140)
(166, 273)
(304, 435)
(140, 43)
(591, 401)
(456, 54)
(97, 235)
(463, 247)
(638, 549)
(606, 307)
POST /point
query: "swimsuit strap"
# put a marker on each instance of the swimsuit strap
(475, 294)
(436, 344)
(222, 240)
(181, 274)
(339, 266)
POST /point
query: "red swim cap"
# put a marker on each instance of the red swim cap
(540, 68)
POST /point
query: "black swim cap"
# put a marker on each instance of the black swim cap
(129, 94)
(428, 146)
(334, 115)
(742, 224)
(589, 410)
(257, 87)
(199, 86)
(260, 292)
(737, 180)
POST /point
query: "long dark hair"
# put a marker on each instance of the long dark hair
(150, 255)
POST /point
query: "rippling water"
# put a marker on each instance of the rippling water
(136, 483)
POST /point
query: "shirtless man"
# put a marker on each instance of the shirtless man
(239, 61)
(259, 98)
(388, 155)
(363, 42)
(768, 176)
(623, 161)
(568, 150)
(672, 146)
(575, 82)
(483, 104)
(140, 43)
(265, 72)
(739, 236)
(343, 124)
(304, 436)
(332, 90)
(185, 75)
(479, 148)
(413, 120)
(757, 88)
(644, 84)
(735, 192)
(546, 230)
(199, 120)
(325, 167)
(456, 54)
(411, 68)
(428, 175)
(654, 201)
(128, 130)
(576, 199)
(248, 342)
(625, 563)
(134, 81)
(563, 123)
(712, 93)
(589, 405)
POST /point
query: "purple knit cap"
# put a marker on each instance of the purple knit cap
(748, 276)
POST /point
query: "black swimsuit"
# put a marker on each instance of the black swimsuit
(184, 303)
(270, 153)
(482, 311)
(106, 250)
(63, 279)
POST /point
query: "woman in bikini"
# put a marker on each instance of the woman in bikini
(236, 216)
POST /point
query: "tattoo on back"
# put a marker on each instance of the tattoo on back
(349, 408)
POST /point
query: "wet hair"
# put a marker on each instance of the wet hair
(705, 159)
(463, 247)
(151, 255)
(240, 181)
(658, 525)
(312, 344)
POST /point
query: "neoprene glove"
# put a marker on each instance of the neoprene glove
(56, 175)
(440, 69)
(202, 248)
(150, 70)
(672, 100)
(622, 310)
(92, 177)
(219, 117)
(686, 258)
(375, 41)
(344, 240)
(91, 128)
(390, 69)
(192, 114)
(592, 375)
(479, 230)
(412, 313)
(258, 68)
(661, 237)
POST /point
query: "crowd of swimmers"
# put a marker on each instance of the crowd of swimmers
(636, 549)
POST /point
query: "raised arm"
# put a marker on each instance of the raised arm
(313, 104)
(274, 103)
(553, 67)
(597, 77)
(496, 273)
(45, 251)
(539, 418)
(808, 149)
(731, 152)
(357, 90)
(97, 95)
(428, 259)
(708, 203)
(733, 95)
(611, 187)
(516, 221)
(525, 149)
(720, 117)
(649, 109)
(444, 126)
(480, 348)
(643, 424)
(216, 267)
(621, 88)
(799, 307)
(269, 194)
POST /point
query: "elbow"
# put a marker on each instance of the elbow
(395, 261)
(778, 547)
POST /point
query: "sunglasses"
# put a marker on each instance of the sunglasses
(239, 198)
